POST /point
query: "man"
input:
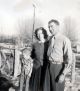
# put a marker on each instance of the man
(60, 56)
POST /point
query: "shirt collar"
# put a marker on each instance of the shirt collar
(55, 36)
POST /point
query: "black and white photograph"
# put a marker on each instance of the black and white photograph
(39, 45)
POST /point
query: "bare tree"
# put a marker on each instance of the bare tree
(26, 31)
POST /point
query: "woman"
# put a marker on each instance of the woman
(39, 56)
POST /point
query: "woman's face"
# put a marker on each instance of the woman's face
(40, 35)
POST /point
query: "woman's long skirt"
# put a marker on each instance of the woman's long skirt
(34, 83)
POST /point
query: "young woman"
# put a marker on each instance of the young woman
(39, 56)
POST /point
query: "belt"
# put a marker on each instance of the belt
(56, 62)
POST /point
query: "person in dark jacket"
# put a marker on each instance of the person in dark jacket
(39, 56)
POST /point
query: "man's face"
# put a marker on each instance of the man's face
(53, 28)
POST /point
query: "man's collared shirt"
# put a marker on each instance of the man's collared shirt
(61, 49)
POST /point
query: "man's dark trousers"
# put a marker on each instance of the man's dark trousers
(55, 72)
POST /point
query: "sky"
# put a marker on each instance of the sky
(12, 12)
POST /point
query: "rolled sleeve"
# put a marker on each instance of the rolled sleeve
(68, 56)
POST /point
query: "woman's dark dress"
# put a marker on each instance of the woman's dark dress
(39, 54)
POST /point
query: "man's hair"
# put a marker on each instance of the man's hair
(55, 21)
(43, 31)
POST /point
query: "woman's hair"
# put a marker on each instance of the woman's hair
(43, 31)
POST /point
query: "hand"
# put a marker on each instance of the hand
(61, 78)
